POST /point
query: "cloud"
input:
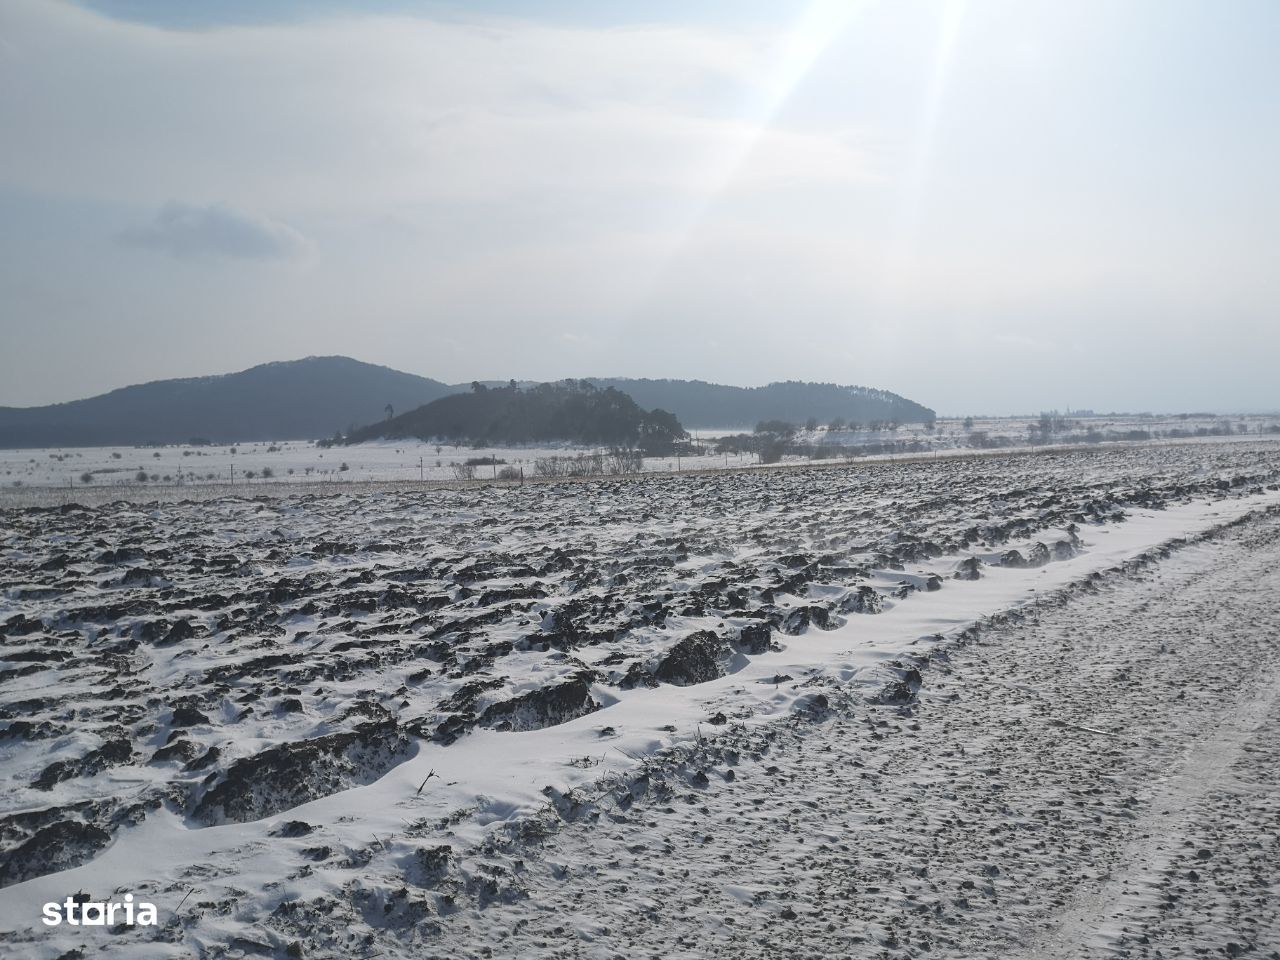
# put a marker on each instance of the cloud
(471, 184)
(356, 115)
(217, 230)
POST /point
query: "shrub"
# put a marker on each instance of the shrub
(771, 452)
(614, 463)
(268, 473)
(509, 473)
(463, 471)
(86, 477)
(141, 476)
(624, 461)
(344, 466)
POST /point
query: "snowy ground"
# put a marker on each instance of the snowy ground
(171, 472)
(455, 722)
(1096, 777)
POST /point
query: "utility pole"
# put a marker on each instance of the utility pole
(420, 474)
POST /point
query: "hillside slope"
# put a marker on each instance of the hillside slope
(571, 410)
(299, 399)
(700, 404)
(319, 396)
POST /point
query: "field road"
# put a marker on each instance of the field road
(1099, 779)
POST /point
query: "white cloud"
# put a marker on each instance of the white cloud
(365, 114)
(217, 230)
(470, 189)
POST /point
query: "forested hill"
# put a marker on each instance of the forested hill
(299, 399)
(571, 410)
(320, 396)
(700, 404)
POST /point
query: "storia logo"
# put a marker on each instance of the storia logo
(91, 913)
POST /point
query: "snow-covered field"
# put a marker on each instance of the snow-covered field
(174, 471)
(669, 716)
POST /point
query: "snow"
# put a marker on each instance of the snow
(478, 584)
(174, 471)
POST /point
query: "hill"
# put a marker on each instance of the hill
(299, 399)
(320, 396)
(571, 410)
(700, 404)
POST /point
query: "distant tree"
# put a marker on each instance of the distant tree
(779, 428)
(390, 411)
(968, 423)
(811, 424)
(771, 450)
(659, 432)
(574, 410)
(836, 425)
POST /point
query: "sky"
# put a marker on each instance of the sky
(988, 206)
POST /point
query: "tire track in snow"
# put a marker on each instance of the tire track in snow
(1099, 920)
